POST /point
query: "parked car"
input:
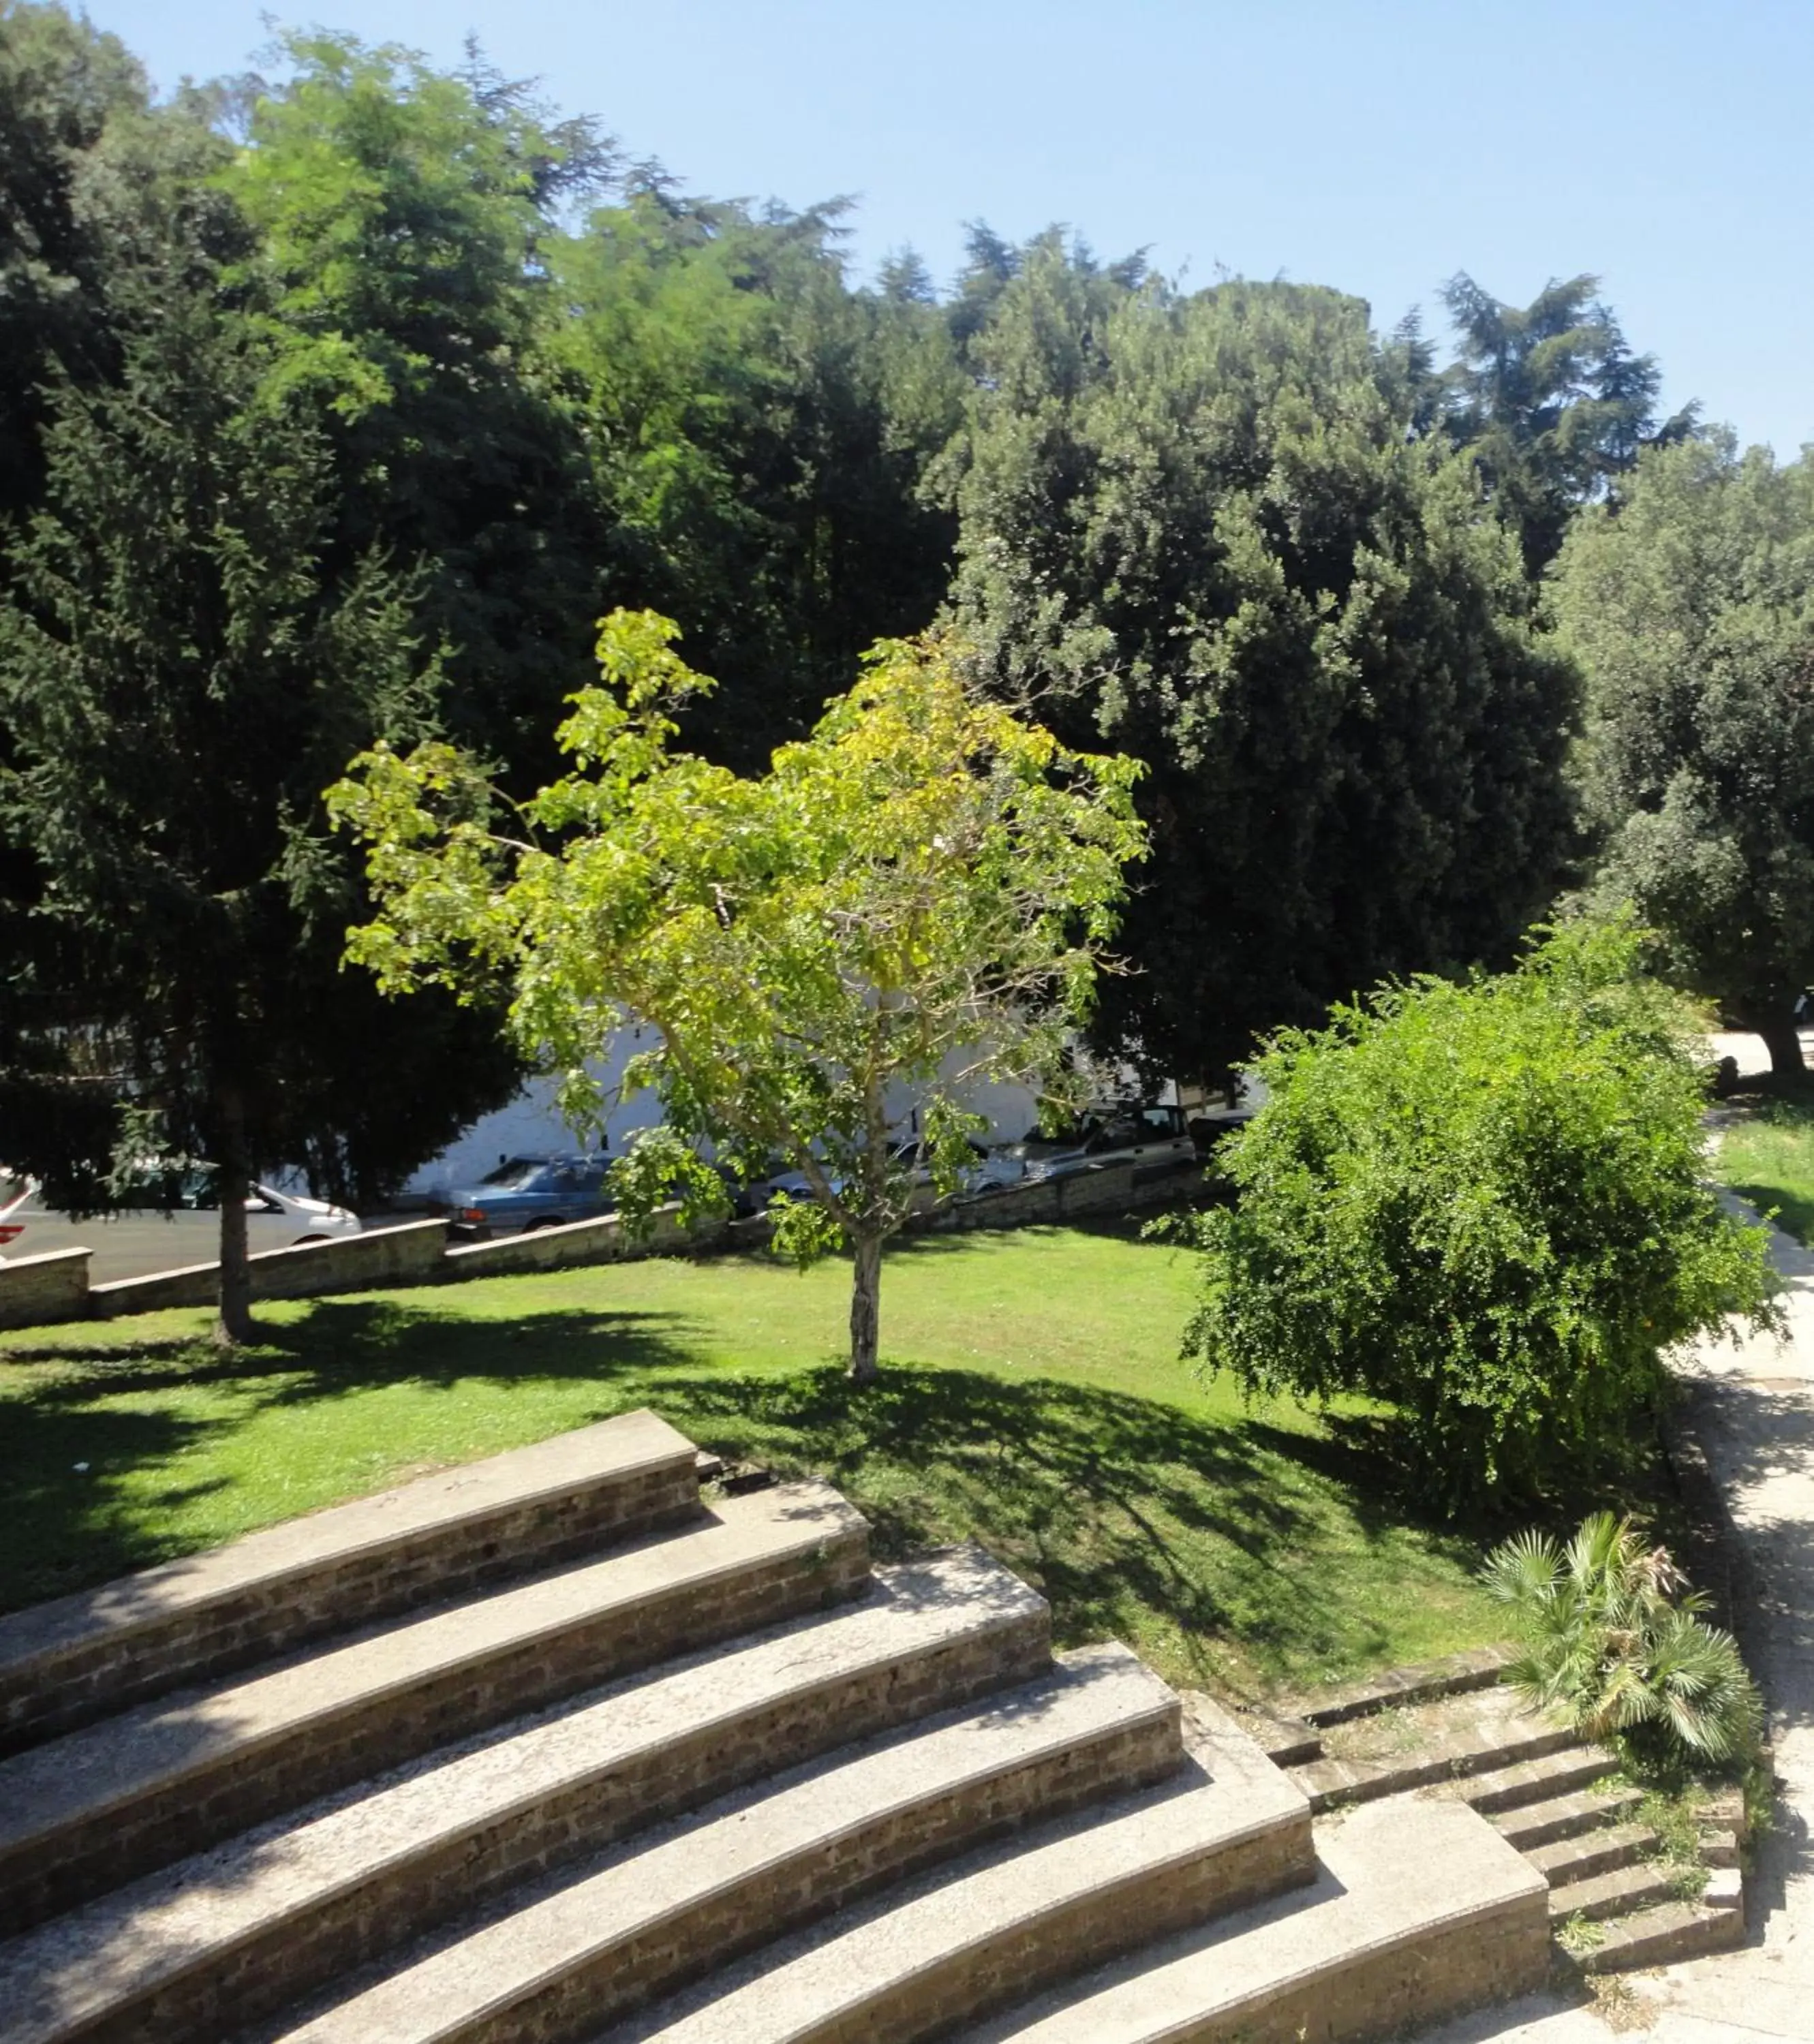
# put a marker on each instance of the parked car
(525, 1193)
(14, 1194)
(988, 1169)
(185, 1200)
(1108, 1134)
(273, 1219)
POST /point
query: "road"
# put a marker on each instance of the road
(123, 1245)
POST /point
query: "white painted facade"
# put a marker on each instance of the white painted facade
(530, 1125)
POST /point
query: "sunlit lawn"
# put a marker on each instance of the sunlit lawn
(1769, 1158)
(1031, 1399)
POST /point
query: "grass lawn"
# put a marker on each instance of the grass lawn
(1031, 1399)
(1768, 1157)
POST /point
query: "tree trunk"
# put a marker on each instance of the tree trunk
(865, 1309)
(1783, 1040)
(233, 1181)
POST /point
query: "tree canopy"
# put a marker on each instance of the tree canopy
(1200, 530)
(918, 896)
(1691, 613)
(1482, 1204)
(517, 377)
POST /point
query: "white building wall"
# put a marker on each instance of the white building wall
(530, 1125)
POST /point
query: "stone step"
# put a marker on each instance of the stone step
(1528, 1826)
(1565, 1772)
(1718, 1846)
(651, 1917)
(999, 1925)
(1586, 1853)
(76, 1660)
(1658, 1937)
(250, 1928)
(1419, 1911)
(1616, 1892)
(1503, 1741)
(87, 1811)
(1454, 1675)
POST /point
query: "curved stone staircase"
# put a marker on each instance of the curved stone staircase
(554, 1748)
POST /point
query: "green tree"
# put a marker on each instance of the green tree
(1691, 613)
(916, 895)
(1200, 528)
(179, 678)
(1482, 1203)
(760, 437)
(1551, 401)
(408, 222)
(62, 86)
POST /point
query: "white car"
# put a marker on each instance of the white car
(273, 1219)
(14, 1194)
(280, 1220)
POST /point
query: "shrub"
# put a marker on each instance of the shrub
(1482, 1203)
(1612, 1637)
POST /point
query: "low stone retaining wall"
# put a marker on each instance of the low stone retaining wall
(605, 1240)
(37, 1291)
(410, 1254)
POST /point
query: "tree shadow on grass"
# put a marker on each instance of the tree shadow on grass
(1228, 1550)
(78, 1437)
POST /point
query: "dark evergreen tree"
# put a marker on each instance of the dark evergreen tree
(181, 676)
(1692, 615)
(1203, 528)
(1552, 401)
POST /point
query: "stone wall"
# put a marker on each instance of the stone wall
(41, 1290)
(410, 1254)
(37, 1290)
(605, 1240)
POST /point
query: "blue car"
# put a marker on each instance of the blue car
(525, 1193)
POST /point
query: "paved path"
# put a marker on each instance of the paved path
(1752, 1406)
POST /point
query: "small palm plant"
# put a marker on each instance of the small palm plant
(1612, 1637)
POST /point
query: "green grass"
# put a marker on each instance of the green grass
(1768, 1158)
(1031, 1399)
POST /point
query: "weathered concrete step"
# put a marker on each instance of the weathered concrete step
(1564, 1771)
(1419, 1912)
(1616, 1892)
(1494, 1748)
(1589, 1853)
(71, 1662)
(1529, 1825)
(1718, 1846)
(1001, 1924)
(1658, 1937)
(87, 1811)
(253, 1926)
(1454, 1675)
(676, 1906)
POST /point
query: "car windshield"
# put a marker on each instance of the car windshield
(516, 1174)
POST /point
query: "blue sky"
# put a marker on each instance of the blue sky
(1376, 145)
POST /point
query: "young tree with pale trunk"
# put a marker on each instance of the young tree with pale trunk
(919, 895)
